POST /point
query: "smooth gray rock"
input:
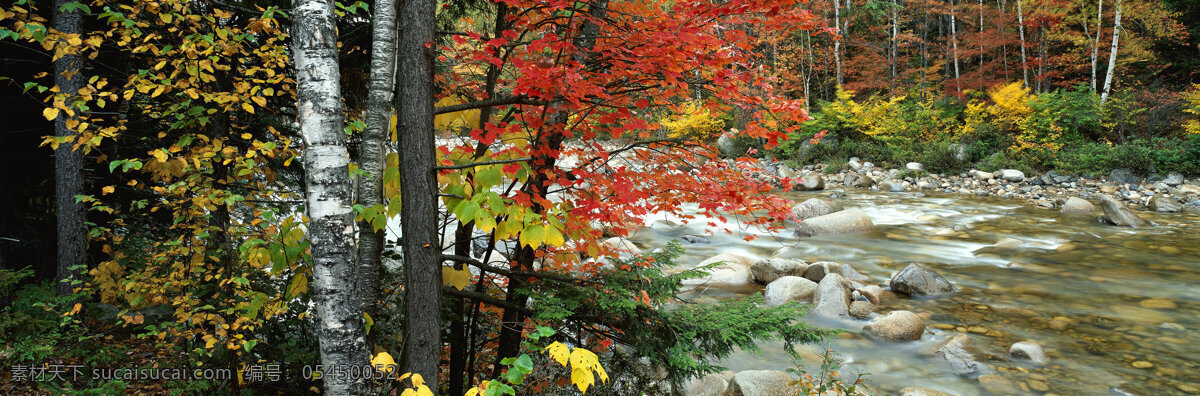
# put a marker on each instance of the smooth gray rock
(768, 270)
(814, 207)
(1159, 203)
(817, 271)
(872, 293)
(1077, 205)
(760, 383)
(844, 222)
(695, 239)
(858, 181)
(787, 289)
(1122, 175)
(954, 351)
(893, 186)
(1174, 179)
(809, 183)
(832, 297)
(896, 326)
(861, 309)
(1012, 175)
(734, 271)
(715, 384)
(1028, 350)
(850, 274)
(1118, 214)
(920, 391)
(914, 166)
(918, 280)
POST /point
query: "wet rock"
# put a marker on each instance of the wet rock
(927, 186)
(809, 183)
(896, 326)
(1123, 176)
(1189, 189)
(859, 181)
(621, 245)
(920, 391)
(1012, 175)
(787, 289)
(734, 271)
(954, 351)
(1118, 214)
(914, 166)
(832, 297)
(918, 280)
(849, 273)
(1173, 179)
(996, 384)
(1028, 350)
(695, 239)
(760, 383)
(817, 271)
(1157, 303)
(767, 271)
(861, 309)
(1010, 243)
(715, 384)
(1159, 203)
(984, 176)
(814, 207)
(872, 293)
(844, 222)
(893, 186)
(1077, 205)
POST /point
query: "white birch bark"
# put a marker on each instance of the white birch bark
(1112, 55)
(371, 151)
(1096, 40)
(837, 42)
(1021, 29)
(954, 46)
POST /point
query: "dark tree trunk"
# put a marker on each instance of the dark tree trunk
(68, 163)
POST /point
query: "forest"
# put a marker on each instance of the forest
(614, 197)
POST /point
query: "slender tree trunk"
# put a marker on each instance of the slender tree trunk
(924, 47)
(837, 42)
(1112, 55)
(1021, 29)
(895, 47)
(340, 327)
(418, 191)
(954, 45)
(68, 162)
(1096, 41)
(1003, 47)
(981, 39)
(371, 151)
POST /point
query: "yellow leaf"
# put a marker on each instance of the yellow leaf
(50, 113)
(259, 100)
(248, 107)
(247, 136)
(107, 190)
(458, 279)
(160, 155)
(558, 352)
(582, 379)
(383, 361)
(417, 381)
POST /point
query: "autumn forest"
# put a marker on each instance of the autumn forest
(614, 197)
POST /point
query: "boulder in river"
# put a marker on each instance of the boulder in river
(1028, 350)
(872, 293)
(918, 280)
(896, 326)
(1077, 205)
(809, 183)
(1173, 179)
(861, 309)
(893, 186)
(832, 297)
(1010, 243)
(1124, 176)
(859, 181)
(1012, 175)
(715, 384)
(734, 271)
(817, 271)
(921, 391)
(1118, 214)
(1160, 203)
(844, 222)
(768, 270)
(760, 383)
(955, 352)
(814, 207)
(787, 289)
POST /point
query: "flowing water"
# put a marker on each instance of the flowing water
(1114, 308)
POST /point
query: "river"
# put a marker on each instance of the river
(1114, 307)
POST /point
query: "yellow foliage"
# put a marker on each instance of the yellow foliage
(694, 122)
(1192, 97)
(584, 364)
(465, 119)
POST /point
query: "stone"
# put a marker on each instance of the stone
(849, 273)
(920, 391)
(861, 309)
(814, 207)
(1160, 203)
(760, 383)
(695, 239)
(1189, 189)
(620, 244)
(1077, 205)
(896, 326)
(893, 186)
(994, 383)
(727, 146)
(954, 351)
(1012, 175)
(844, 222)
(768, 270)
(832, 297)
(809, 183)
(1028, 350)
(984, 176)
(817, 271)
(914, 166)
(1157, 303)
(858, 181)
(1142, 364)
(1123, 176)
(1010, 243)
(787, 289)
(1039, 386)
(918, 280)
(1118, 214)
(872, 293)
(734, 271)
(715, 384)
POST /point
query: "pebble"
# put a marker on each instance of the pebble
(1038, 386)
(1142, 364)
(1157, 303)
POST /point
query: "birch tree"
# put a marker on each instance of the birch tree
(837, 41)
(340, 330)
(1021, 30)
(1096, 40)
(1112, 55)
(68, 162)
(954, 46)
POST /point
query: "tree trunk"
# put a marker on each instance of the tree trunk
(895, 47)
(371, 151)
(1112, 55)
(837, 42)
(981, 39)
(1096, 41)
(68, 162)
(328, 194)
(1021, 29)
(418, 192)
(954, 45)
